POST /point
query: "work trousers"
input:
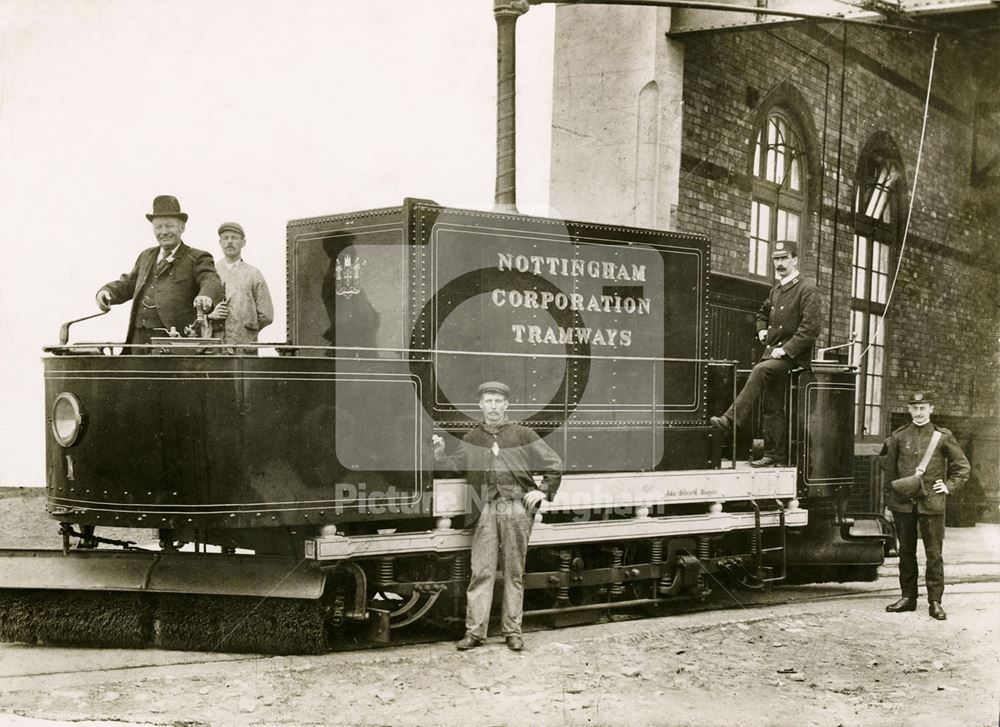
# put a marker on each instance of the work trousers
(931, 529)
(502, 530)
(768, 379)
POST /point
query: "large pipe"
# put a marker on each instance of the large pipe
(506, 13)
(871, 18)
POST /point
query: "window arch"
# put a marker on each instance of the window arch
(876, 233)
(778, 195)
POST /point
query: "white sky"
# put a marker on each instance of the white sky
(252, 110)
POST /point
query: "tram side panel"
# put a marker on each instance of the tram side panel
(223, 443)
(600, 331)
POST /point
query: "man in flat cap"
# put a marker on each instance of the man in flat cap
(787, 324)
(931, 452)
(499, 457)
(168, 284)
(247, 308)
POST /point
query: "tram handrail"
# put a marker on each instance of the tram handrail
(285, 348)
(821, 352)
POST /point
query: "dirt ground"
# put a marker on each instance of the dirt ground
(819, 655)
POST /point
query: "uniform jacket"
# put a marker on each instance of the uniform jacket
(791, 315)
(903, 451)
(191, 274)
(250, 307)
(522, 452)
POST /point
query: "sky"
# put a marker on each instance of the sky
(244, 110)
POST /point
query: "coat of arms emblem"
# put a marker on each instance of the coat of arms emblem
(348, 271)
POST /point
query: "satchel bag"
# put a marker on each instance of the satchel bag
(910, 487)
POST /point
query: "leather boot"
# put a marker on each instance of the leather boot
(936, 611)
(903, 604)
(468, 642)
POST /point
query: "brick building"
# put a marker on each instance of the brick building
(752, 129)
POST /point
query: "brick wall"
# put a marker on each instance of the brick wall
(866, 495)
(943, 323)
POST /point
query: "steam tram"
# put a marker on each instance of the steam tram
(311, 472)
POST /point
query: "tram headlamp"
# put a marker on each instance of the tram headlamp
(67, 419)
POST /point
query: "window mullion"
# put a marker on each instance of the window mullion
(874, 205)
(869, 275)
(776, 153)
(862, 379)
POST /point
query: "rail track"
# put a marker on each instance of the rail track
(260, 613)
(779, 597)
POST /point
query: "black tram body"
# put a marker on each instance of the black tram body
(395, 316)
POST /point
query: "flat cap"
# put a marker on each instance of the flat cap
(232, 227)
(494, 386)
(785, 247)
(921, 397)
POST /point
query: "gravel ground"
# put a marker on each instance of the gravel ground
(836, 662)
(797, 656)
(27, 525)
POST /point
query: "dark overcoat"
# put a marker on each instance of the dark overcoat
(792, 317)
(191, 274)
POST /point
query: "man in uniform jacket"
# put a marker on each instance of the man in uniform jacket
(787, 324)
(499, 457)
(946, 472)
(167, 283)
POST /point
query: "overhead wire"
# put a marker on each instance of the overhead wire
(873, 336)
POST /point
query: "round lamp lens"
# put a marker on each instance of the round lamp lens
(66, 419)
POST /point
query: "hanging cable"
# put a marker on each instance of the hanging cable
(909, 212)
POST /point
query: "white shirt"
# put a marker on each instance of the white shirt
(789, 278)
(164, 255)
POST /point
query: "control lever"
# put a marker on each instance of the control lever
(64, 328)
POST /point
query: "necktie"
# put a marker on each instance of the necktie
(163, 266)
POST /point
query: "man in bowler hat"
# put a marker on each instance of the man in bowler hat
(168, 284)
(499, 458)
(948, 469)
(787, 324)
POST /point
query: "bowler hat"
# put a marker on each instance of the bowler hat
(785, 247)
(167, 206)
(494, 386)
(232, 227)
(921, 397)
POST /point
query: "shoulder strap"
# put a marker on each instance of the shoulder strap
(935, 438)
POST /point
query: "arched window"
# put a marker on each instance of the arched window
(778, 195)
(876, 230)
